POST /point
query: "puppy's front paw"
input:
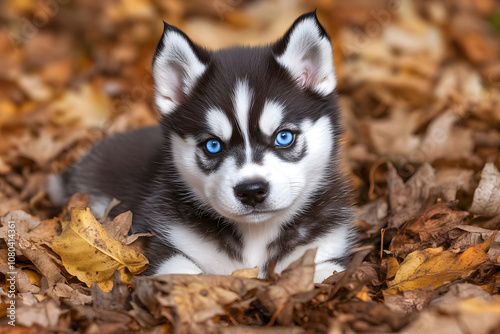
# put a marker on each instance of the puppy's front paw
(178, 264)
(325, 270)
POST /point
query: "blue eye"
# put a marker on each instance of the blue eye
(284, 138)
(213, 146)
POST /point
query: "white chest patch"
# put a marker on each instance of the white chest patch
(256, 238)
(205, 254)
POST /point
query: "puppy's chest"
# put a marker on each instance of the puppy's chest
(239, 247)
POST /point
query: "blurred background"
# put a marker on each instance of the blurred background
(419, 81)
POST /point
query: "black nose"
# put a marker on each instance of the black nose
(252, 192)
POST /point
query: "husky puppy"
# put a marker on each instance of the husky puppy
(243, 169)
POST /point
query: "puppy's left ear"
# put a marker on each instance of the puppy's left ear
(305, 51)
(177, 66)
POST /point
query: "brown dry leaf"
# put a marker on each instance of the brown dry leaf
(84, 236)
(409, 301)
(34, 87)
(79, 201)
(119, 227)
(449, 181)
(41, 149)
(406, 200)
(373, 215)
(22, 280)
(486, 199)
(29, 227)
(191, 301)
(86, 108)
(443, 140)
(434, 267)
(297, 278)
(464, 306)
(429, 229)
(45, 314)
(394, 136)
(465, 236)
(30, 236)
(42, 260)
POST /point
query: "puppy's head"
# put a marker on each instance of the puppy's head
(252, 132)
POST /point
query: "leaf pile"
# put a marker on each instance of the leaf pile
(419, 91)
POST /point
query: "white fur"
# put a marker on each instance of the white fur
(242, 100)
(178, 264)
(176, 70)
(219, 124)
(208, 257)
(55, 189)
(331, 245)
(271, 118)
(256, 237)
(184, 154)
(98, 205)
(309, 58)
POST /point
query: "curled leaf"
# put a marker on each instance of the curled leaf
(486, 199)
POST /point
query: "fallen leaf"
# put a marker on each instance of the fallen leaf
(434, 267)
(87, 107)
(449, 181)
(79, 201)
(41, 149)
(22, 280)
(464, 306)
(409, 301)
(90, 253)
(191, 301)
(442, 139)
(247, 273)
(486, 199)
(392, 267)
(297, 278)
(45, 314)
(429, 229)
(120, 226)
(406, 200)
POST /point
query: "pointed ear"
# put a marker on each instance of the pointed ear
(177, 65)
(305, 52)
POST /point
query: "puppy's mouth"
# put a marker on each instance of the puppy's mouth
(256, 211)
(257, 215)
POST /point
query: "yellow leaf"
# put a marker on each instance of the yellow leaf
(434, 267)
(34, 277)
(89, 252)
(475, 305)
(247, 273)
(392, 267)
(363, 294)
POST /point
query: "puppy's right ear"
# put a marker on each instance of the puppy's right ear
(177, 65)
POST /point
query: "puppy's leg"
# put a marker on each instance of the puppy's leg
(177, 264)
